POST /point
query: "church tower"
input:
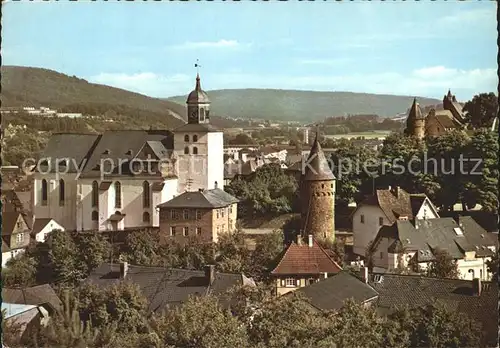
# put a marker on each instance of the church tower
(199, 146)
(415, 123)
(317, 193)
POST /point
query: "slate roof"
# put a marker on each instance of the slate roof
(432, 234)
(14, 201)
(303, 259)
(166, 288)
(415, 112)
(198, 95)
(446, 119)
(416, 291)
(35, 295)
(396, 203)
(39, 224)
(73, 146)
(331, 293)
(9, 220)
(197, 127)
(317, 167)
(215, 198)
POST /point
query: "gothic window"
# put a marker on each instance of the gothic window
(95, 194)
(146, 198)
(186, 150)
(186, 138)
(146, 217)
(195, 138)
(61, 192)
(95, 216)
(44, 192)
(195, 150)
(118, 195)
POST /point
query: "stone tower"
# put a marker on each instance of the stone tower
(415, 123)
(317, 193)
(198, 104)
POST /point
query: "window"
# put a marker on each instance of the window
(198, 231)
(311, 281)
(230, 209)
(20, 237)
(202, 114)
(186, 138)
(186, 150)
(146, 217)
(290, 282)
(95, 216)
(186, 214)
(198, 214)
(172, 230)
(118, 195)
(381, 255)
(222, 212)
(186, 231)
(218, 229)
(472, 272)
(217, 213)
(146, 195)
(61, 192)
(44, 192)
(195, 150)
(332, 186)
(174, 214)
(380, 221)
(362, 219)
(95, 194)
(19, 224)
(195, 138)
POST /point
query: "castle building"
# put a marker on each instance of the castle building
(116, 180)
(317, 192)
(437, 122)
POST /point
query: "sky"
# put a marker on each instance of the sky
(404, 48)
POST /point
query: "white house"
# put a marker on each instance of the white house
(42, 227)
(407, 242)
(383, 209)
(115, 180)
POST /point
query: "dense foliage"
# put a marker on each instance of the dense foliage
(253, 320)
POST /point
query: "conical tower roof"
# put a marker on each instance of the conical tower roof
(316, 166)
(415, 111)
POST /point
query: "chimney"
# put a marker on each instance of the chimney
(310, 241)
(364, 274)
(123, 270)
(215, 184)
(210, 273)
(476, 287)
(200, 190)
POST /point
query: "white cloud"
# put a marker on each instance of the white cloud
(475, 16)
(427, 82)
(221, 44)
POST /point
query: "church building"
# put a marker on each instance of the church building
(116, 180)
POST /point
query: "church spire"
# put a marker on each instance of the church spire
(198, 83)
(415, 111)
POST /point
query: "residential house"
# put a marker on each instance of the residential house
(42, 227)
(15, 235)
(384, 208)
(35, 295)
(101, 182)
(330, 294)
(406, 242)
(302, 264)
(474, 299)
(24, 318)
(203, 214)
(166, 288)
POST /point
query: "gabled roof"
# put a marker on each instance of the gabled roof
(396, 290)
(331, 293)
(215, 198)
(167, 287)
(40, 224)
(9, 220)
(35, 295)
(317, 167)
(303, 259)
(425, 236)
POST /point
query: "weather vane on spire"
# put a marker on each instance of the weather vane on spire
(197, 66)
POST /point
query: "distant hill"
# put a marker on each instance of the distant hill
(24, 86)
(292, 105)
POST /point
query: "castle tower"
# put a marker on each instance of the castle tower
(199, 146)
(317, 193)
(415, 123)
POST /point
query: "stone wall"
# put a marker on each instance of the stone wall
(318, 208)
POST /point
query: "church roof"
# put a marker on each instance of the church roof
(197, 127)
(317, 167)
(198, 95)
(215, 198)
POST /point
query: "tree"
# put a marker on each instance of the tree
(267, 249)
(63, 255)
(335, 248)
(493, 267)
(142, 247)
(481, 110)
(19, 272)
(101, 250)
(443, 265)
(233, 255)
(201, 322)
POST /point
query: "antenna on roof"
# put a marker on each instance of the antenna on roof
(197, 66)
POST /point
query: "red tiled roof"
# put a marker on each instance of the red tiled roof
(302, 259)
